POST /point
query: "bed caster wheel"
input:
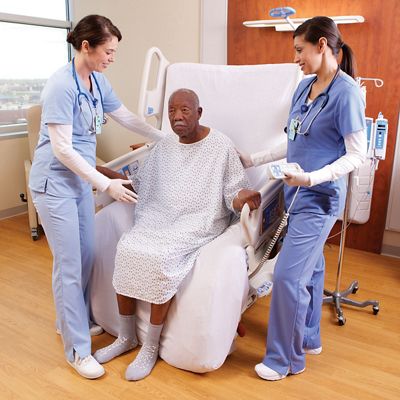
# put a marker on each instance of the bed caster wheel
(341, 320)
(375, 309)
(355, 288)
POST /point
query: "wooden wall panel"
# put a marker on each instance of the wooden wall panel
(376, 44)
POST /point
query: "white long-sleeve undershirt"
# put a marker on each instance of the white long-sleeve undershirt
(266, 156)
(356, 149)
(61, 144)
(132, 122)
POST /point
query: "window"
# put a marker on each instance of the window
(34, 47)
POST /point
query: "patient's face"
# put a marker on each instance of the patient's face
(184, 115)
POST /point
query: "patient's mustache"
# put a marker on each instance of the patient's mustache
(179, 123)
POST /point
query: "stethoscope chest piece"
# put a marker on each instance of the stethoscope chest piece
(304, 108)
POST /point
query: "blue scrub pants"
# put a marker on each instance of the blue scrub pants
(69, 227)
(295, 313)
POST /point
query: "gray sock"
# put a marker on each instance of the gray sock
(147, 356)
(125, 341)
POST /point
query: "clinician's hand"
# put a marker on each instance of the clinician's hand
(297, 179)
(119, 192)
(251, 197)
(245, 158)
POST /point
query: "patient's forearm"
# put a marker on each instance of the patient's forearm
(109, 173)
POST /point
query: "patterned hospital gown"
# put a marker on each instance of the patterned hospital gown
(185, 201)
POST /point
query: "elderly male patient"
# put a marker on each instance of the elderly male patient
(188, 191)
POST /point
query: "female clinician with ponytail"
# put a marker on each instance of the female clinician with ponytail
(74, 103)
(326, 137)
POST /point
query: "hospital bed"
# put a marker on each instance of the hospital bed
(250, 104)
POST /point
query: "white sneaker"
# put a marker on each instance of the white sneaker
(87, 367)
(94, 330)
(269, 374)
(316, 351)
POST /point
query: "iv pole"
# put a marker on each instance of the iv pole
(337, 297)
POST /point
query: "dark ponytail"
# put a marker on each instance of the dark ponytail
(348, 63)
(96, 29)
(315, 28)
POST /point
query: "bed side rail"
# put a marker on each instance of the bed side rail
(151, 101)
(258, 224)
(127, 164)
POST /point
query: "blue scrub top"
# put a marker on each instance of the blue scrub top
(343, 114)
(60, 105)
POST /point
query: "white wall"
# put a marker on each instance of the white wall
(214, 32)
(171, 25)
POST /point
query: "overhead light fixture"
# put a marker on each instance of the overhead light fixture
(289, 24)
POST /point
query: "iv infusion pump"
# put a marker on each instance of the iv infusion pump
(377, 133)
(381, 132)
(363, 177)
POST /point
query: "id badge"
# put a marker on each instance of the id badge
(97, 124)
(293, 127)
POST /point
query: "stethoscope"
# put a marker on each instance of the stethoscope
(82, 94)
(305, 108)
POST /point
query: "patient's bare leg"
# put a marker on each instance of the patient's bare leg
(159, 313)
(127, 338)
(147, 356)
(126, 305)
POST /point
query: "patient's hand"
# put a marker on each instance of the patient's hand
(251, 197)
(109, 173)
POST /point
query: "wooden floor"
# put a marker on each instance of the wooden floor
(360, 360)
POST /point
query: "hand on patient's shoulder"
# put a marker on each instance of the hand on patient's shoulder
(251, 197)
(119, 192)
(245, 158)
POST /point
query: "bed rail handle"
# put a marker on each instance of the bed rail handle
(151, 101)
